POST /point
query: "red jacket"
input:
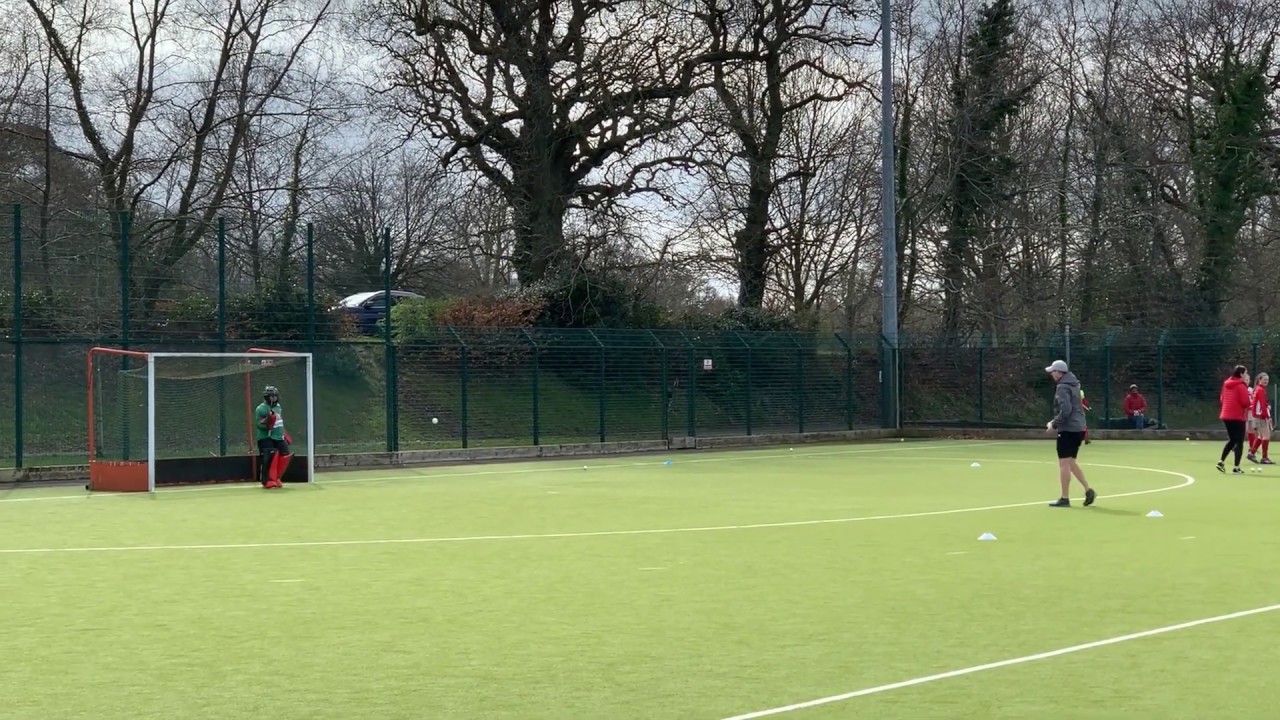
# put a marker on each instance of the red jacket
(1234, 399)
(1134, 403)
(1261, 408)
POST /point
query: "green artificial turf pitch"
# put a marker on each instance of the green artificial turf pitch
(714, 587)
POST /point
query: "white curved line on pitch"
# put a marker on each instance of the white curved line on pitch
(739, 455)
(1187, 482)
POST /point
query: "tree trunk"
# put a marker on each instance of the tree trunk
(751, 241)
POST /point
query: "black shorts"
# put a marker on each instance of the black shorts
(1069, 444)
(279, 446)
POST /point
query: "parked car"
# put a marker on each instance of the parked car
(367, 308)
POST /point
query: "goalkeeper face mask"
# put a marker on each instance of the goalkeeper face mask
(271, 395)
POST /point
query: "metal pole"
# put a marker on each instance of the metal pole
(17, 336)
(311, 288)
(1066, 341)
(222, 334)
(888, 213)
(389, 349)
(1160, 380)
(126, 440)
(125, 232)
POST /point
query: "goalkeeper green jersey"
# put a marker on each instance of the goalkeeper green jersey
(275, 433)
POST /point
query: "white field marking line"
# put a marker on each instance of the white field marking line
(959, 552)
(721, 456)
(1002, 664)
(1187, 482)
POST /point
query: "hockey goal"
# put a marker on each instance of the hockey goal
(159, 418)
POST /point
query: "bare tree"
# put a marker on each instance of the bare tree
(557, 103)
(163, 133)
(406, 194)
(828, 218)
(782, 57)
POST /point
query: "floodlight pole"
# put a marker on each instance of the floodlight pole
(889, 227)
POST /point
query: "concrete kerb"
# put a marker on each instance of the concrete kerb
(457, 456)
(971, 433)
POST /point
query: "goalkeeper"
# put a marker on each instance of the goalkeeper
(273, 441)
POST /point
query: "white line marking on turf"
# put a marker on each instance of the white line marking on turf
(1189, 537)
(959, 552)
(1187, 482)
(1002, 664)
(720, 456)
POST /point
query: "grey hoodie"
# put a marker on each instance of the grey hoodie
(1070, 408)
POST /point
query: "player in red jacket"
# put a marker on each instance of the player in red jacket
(1260, 421)
(1234, 415)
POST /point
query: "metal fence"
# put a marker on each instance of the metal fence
(499, 388)
(72, 281)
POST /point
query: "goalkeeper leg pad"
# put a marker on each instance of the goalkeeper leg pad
(278, 467)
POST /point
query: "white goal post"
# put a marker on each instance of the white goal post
(168, 418)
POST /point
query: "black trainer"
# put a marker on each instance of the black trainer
(1237, 470)
(1060, 502)
(1089, 497)
(1222, 468)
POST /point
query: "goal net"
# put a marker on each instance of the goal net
(173, 418)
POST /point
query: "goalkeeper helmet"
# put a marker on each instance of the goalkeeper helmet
(271, 392)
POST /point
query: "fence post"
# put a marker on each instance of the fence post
(666, 386)
(463, 356)
(603, 386)
(692, 396)
(848, 379)
(1257, 340)
(1164, 334)
(389, 350)
(533, 382)
(222, 334)
(982, 383)
(1106, 386)
(750, 371)
(800, 408)
(311, 287)
(125, 231)
(17, 338)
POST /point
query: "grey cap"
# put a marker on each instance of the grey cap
(1057, 366)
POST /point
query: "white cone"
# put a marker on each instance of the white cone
(1155, 513)
(986, 536)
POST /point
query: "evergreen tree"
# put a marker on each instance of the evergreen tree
(987, 93)
(1229, 168)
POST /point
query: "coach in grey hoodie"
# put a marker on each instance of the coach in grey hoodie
(1069, 425)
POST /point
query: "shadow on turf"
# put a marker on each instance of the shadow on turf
(1115, 511)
